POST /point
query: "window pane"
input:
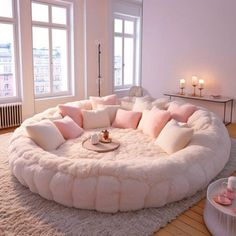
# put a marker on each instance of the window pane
(129, 27)
(118, 26)
(118, 61)
(59, 54)
(59, 15)
(6, 8)
(128, 61)
(7, 61)
(39, 12)
(41, 60)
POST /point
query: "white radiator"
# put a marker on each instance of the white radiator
(10, 115)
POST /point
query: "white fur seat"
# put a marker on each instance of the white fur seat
(137, 175)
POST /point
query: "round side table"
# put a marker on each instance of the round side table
(220, 220)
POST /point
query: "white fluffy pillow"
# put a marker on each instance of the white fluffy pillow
(45, 134)
(161, 103)
(95, 119)
(127, 105)
(142, 103)
(111, 110)
(174, 137)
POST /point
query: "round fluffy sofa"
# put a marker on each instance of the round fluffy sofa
(135, 176)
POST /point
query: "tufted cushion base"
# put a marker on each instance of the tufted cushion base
(137, 175)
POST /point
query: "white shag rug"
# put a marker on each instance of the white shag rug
(25, 213)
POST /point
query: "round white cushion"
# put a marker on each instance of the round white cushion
(135, 176)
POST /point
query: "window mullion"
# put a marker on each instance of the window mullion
(134, 51)
(50, 53)
(123, 54)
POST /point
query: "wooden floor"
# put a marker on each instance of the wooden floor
(191, 221)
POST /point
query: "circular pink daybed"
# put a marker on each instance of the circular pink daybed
(137, 175)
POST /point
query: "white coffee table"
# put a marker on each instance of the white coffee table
(220, 220)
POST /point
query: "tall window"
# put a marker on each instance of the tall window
(8, 49)
(51, 49)
(126, 51)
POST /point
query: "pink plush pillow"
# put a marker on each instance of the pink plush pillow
(107, 100)
(68, 128)
(181, 113)
(126, 119)
(154, 121)
(73, 112)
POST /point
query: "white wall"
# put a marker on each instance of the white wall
(182, 38)
(97, 31)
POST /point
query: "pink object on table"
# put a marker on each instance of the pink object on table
(223, 200)
(229, 194)
(126, 119)
(73, 112)
(181, 113)
(68, 128)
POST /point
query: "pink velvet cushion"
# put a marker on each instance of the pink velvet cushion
(126, 119)
(154, 121)
(107, 100)
(181, 113)
(68, 128)
(73, 112)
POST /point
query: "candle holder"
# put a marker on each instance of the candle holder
(194, 84)
(201, 86)
(194, 90)
(200, 89)
(181, 86)
(181, 91)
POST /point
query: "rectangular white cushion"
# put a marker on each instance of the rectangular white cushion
(45, 134)
(95, 119)
(111, 109)
(174, 137)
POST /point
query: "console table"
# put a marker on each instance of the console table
(221, 100)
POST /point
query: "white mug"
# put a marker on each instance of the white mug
(94, 139)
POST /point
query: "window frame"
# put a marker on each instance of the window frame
(136, 49)
(50, 26)
(14, 22)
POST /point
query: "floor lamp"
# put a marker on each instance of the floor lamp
(99, 70)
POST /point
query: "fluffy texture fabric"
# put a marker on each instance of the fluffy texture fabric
(174, 137)
(111, 109)
(181, 113)
(127, 105)
(24, 213)
(107, 100)
(142, 103)
(73, 112)
(68, 128)
(45, 134)
(96, 119)
(126, 119)
(161, 103)
(137, 175)
(154, 121)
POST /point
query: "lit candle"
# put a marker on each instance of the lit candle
(201, 83)
(194, 80)
(182, 83)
